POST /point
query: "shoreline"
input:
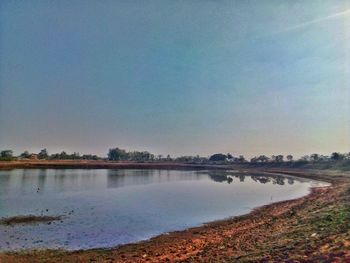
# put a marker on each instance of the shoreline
(240, 238)
(71, 164)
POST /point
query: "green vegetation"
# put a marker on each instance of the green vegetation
(24, 155)
(74, 156)
(336, 160)
(6, 155)
(43, 154)
(218, 157)
(117, 154)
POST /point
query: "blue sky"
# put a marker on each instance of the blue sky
(178, 77)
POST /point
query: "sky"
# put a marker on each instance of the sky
(178, 77)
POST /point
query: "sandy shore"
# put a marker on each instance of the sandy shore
(314, 228)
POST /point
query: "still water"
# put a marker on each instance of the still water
(105, 208)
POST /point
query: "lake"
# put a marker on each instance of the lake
(106, 208)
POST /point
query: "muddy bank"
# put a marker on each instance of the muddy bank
(313, 228)
(73, 164)
(341, 165)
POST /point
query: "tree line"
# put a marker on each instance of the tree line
(7, 155)
(117, 154)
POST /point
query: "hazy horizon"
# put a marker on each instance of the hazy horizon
(175, 77)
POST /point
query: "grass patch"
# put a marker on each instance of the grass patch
(333, 220)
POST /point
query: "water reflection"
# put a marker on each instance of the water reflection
(39, 180)
(122, 178)
(104, 208)
(61, 180)
(4, 181)
(225, 176)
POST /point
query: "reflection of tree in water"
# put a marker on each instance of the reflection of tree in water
(41, 180)
(261, 179)
(224, 176)
(218, 177)
(279, 180)
(4, 181)
(290, 181)
(34, 180)
(120, 178)
(241, 177)
(269, 178)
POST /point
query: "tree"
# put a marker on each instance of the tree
(262, 159)
(43, 154)
(277, 158)
(138, 156)
(197, 159)
(217, 157)
(305, 158)
(117, 154)
(347, 156)
(241, 159)
(254, 160)
(337, 156)
(323, 157)
(63, 155)
(89, 157)
(75, 156)
(314, 157)
(25, 154)
(230, 157)
(6, 154)
(183, 159)
(290, 157)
